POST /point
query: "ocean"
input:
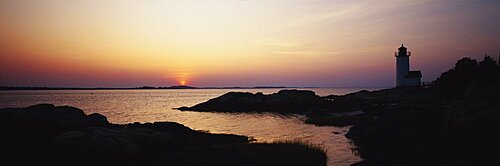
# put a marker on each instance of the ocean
(126, 106)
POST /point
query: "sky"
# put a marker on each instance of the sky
(321, 43)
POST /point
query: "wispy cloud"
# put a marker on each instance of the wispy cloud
(308, 53)
(270, 41)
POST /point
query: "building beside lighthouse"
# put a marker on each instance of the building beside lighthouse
(405, 77)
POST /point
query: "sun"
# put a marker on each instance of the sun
(182, 82)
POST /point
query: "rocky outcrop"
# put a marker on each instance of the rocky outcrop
(285, 101)
(28, 131)
(397, 137)
(331, 110)
(364, 106)
(461, 132)
(470, 129)
(48, 135)
(340, 120)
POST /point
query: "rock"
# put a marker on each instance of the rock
(422, 131)
(169, 127)
(70, 118)
(97, 120)
(339, 120)
(468, 131)
(183, 108)
(397, 136)
(100, 143)
(50, 117)
(285, 101)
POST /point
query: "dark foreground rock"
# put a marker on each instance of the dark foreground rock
(456, 132)
(48, 135)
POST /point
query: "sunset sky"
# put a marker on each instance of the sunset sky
(327, 43)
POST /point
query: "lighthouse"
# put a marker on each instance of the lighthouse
(405, 77)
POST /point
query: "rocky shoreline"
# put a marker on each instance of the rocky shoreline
(453, 121)
(426, 132)
(63, 135)
(285, 101)
(398, 126)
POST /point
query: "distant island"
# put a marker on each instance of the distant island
(5, 88)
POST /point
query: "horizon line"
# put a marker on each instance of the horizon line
(2, 87)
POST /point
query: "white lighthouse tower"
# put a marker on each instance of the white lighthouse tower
(405, 77)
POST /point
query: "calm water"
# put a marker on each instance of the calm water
(125, 106)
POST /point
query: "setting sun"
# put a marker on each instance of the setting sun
(182, 82)
(235, 43)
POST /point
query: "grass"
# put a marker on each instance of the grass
(287, 152)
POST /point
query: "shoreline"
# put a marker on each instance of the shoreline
(397, 126)
(56, 135)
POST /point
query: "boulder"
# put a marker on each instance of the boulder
(469, 129)
(97, 120)
(100, 144)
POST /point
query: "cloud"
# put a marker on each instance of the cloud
(310, 53)
(270, 41)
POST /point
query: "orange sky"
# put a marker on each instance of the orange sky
(237, 43)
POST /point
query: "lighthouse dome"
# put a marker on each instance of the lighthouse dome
(402, 48)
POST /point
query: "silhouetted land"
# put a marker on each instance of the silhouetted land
(454, 121)
(285, 101)
(48, 135)
(4, 88)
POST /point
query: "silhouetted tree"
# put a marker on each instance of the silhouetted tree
(487, 71)
(466, 65)
(453, 82)
(467, 72)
